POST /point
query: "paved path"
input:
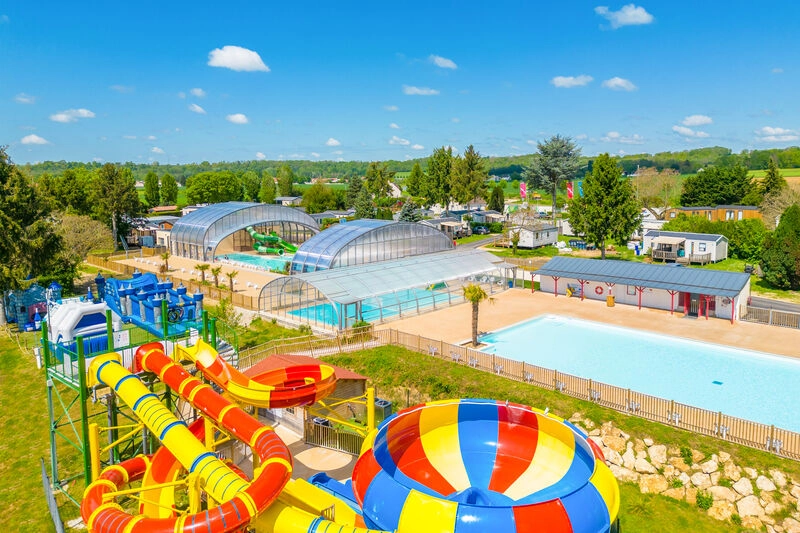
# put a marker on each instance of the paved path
(778, 305)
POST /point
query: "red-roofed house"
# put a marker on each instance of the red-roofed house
(348, 385)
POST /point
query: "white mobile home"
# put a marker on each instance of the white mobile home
(534, 236)
(681, 247)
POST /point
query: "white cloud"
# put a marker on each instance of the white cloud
(157, 150)
(337, 152)
(394, 126)
(689, 132)
(314, 154)
(616, 137)
(332, 142)
(455, 120)
(419, 91)
(129, 137)
(567, 82)
(260, 155)
(531, 142)
(697, 120)
(777, 70)
(236, 58)
(295, 156)
(391, 108)
(442, 62)
(198, 92)
(581, 137)
(629, 15)
(619, 84)
(181, 95)
(71, 115)
(23, 98)
(33, 139)
(151, 137)
(397, 140)
(417, 147)
(771, 134)
(194, 108)
(122, 88)
(237, 118)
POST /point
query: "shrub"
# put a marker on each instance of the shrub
(686, 454)
(705, 500)
(495, 227)
(725, 482)
(676, 483)
(736, 519)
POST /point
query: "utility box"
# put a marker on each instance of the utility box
(383, 409)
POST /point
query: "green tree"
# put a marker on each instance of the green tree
(780, 260)
(216, 271)
(474, 294)
(231, 275)
(415, 180)
(73, 191)
(436, 189)
(169, 190)
(165, 257)
(266, 194)
(468, 180)
(252, 185)
(115, 199)
(318, 198)
(720, 186)
(354, 186)
(377, 179)
(409, 212)
(497, 199)
(151, 189)
(285, 180)
(213, 187)
(773, 181)
(364, 206)
(608, 209)
(203, 268)
(555, 160)
(655, 189)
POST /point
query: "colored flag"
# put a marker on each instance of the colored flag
(580, 188)
(569, 190)
(523, 189)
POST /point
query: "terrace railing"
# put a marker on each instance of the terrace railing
(772, 317)
(782, 442)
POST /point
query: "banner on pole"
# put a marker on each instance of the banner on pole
(569, 190)
(523, 189)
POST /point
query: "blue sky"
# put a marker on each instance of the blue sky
(178, 82)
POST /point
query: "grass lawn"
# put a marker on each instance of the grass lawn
(181, 201)
(407, 378)
(758, 286)
(786, 172)
(261, 331)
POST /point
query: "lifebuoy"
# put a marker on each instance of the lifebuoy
(598, 290)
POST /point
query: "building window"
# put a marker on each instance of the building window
(672, 215)
(631, 290)
(728, 215)
(701, 246)
(740, 215)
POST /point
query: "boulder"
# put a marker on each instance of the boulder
(657, 453)
(653, 484)
(648, 442)
(790, 525)
(669, 471)
(644, 467)
(700, 480)
(744, 487)
(691, 495)
(721, 510)
(765, 483)
(731, 471)
(795, 491)
(628, 459)
(715, 477)
(697, 456)
(723, 493)
(773, 507)
(685, 479)
(751, 523)
(778, 477)
(612, 456)
(679, 464)
(750, 472)
(749, 506)
(678, 493)
(624, 474)
(709, 466)
(724, 457)
(615, 443)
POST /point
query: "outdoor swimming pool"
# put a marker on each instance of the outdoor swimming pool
(267, 262)
(751, 385)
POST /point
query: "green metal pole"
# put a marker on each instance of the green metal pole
(53, 451)
(109, 331)
(164, 317)
(45, 346)
(205, 325)
(84, 396)
(214, 333)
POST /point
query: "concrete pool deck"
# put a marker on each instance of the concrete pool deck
(454, 324)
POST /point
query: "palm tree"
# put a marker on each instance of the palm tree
(474, 294)
(165, 257)
(216, 271)
(202, 269)
(232, 274)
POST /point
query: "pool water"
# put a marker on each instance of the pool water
(747, 384)
(386, 306)
(267, 262)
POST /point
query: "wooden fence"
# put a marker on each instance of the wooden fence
(772, 317)
(715, 424)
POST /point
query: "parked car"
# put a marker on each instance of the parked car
(481, 230)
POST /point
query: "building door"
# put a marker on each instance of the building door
(694, 304)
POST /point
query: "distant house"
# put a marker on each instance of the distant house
(453, 227)
(163, 222)
(487, 217)
(191, 208)
(289, 201)
(717, 213)
(163, 209)
(534, 236)
(319, 217)
(683, 247)
(348, 385)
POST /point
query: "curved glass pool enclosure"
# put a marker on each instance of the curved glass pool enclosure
(377, 292)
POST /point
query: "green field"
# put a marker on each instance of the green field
(787, 173)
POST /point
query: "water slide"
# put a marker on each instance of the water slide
(270, 244)
(285, 387)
